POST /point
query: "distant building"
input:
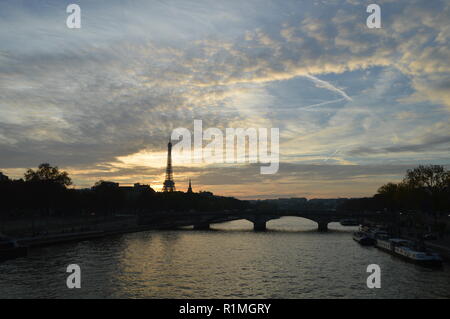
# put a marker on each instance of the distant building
(286, 203)
(325, 203)
(206, 194)
(142, 188)
(189, 191)
(136, 190)
(3, 177)
(105, 184)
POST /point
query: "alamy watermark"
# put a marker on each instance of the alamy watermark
(73, 21)
(237, 145)
(74, 279)
(374, 279)
(374, 20)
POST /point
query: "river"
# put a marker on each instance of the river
(290, 260)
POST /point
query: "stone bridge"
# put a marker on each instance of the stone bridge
(203, 220)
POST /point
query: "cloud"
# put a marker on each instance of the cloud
(245, 181)
(441, 143)
(135, 71)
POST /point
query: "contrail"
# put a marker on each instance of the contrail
(335, 152)
(323, 84)
(322, 103)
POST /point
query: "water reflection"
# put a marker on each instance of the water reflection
(291, 260)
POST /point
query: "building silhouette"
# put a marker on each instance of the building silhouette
(136, 190)
(3, 178)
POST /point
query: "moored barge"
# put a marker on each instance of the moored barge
(409, 251)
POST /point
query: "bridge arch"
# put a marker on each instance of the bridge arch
(292, 223)
(260, 222)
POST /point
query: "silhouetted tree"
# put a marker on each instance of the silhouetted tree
(47, 173)
(424, 189)
(433, 178)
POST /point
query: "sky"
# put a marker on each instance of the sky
(356, 107)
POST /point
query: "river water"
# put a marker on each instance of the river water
(290, 260)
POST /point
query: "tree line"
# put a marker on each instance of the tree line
(46, 190)
(425, 189)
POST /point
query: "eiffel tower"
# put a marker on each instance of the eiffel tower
(169, 184)
(189, 191)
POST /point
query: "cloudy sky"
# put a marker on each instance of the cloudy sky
(355, 106)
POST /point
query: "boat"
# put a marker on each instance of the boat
(349, 222)
(10, 249)
(377, 234)
(409, 251)
(365, 228)
(363, 239)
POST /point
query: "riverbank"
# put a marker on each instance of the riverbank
(48, 231)
(444, 251)
(64, 237)
(76, 231)
(439, 245)
(48, 240)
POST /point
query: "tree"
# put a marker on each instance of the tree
(433, 178)
(391, 195)
(425, 188)
(388, 189)
(48, 174)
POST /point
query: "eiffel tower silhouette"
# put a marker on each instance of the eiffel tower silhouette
(169, 184)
